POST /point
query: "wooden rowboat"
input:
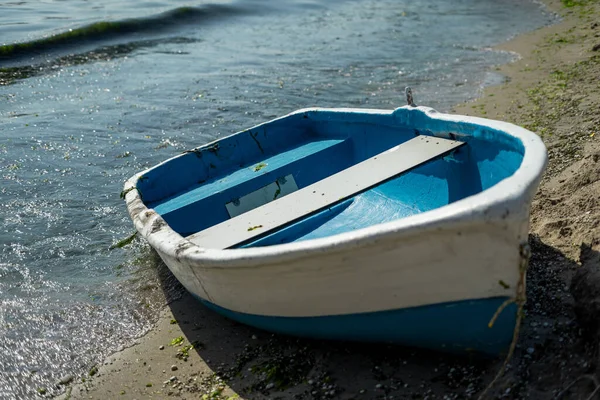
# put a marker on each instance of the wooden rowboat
(403, 226)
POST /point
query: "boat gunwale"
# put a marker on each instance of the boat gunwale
(493, 204)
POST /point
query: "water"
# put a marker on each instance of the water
(84, 105)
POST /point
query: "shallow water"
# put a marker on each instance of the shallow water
(84, 105)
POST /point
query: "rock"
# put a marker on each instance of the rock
(161, 347)
(65, 380)
(174, 368)
(585, 289)
(596, 47)
(270, 386)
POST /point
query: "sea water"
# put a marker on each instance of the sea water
(93, 92)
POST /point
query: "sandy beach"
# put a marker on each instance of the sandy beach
(553, 90)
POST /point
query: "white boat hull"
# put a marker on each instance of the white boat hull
(467, 251)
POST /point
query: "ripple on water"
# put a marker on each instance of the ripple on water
(52, 324)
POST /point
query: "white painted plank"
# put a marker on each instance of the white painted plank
(324, 193)
(266, 194)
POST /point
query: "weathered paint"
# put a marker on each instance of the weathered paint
(458, 246)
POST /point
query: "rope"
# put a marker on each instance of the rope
(520, 299)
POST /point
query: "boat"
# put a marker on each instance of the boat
(403, 226)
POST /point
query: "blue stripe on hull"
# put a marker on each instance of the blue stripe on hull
(456, 327)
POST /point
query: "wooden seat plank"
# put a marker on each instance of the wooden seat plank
(323, 194)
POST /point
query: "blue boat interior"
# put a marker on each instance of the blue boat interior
(190, 191)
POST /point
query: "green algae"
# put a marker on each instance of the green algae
(89, 31)
(259, 166)
(124, 242)
(177, 341)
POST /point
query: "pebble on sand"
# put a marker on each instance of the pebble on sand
(66, 379)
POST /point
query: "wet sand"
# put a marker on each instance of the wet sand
(553, 90)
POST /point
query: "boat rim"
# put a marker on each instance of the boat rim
(492, 204)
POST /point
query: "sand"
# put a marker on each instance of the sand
(554, 90)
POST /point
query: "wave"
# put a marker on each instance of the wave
(11, 75)
(110, 30)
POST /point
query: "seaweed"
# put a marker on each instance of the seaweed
(259, 166)
(124, 242)
(176, 341)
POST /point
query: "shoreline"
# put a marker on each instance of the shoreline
(550, 90)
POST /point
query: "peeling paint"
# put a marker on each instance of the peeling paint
(157, 225)
(181, 247)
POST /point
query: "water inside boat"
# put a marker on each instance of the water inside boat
(213, 184)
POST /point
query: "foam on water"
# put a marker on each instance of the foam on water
(85, 104)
